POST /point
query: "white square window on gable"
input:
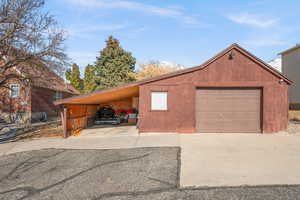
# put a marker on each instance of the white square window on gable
(14, 90)
(159, 100)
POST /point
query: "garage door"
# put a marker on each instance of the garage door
(228, 110)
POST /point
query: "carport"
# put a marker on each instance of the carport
(78, 112)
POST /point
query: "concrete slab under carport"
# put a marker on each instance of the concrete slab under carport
(109, 131)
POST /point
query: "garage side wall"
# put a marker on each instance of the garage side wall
(239, 72)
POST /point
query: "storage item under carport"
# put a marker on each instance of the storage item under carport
(106, 115)
(132, 116)
(121, 113)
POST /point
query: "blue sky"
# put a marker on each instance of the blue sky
(180, 31)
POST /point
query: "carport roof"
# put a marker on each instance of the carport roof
(132, 89)
(103, 96)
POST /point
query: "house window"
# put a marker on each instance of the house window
(159, 100)
(14, 90)
(58, 95)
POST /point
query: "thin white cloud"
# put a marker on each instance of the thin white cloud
(134, 32)
(170, 12)
(84, 30)
(252, 20)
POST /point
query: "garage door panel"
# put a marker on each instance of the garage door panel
(229, 104)
(241, 127)
(228, 110)
(226, 115)
(238, 107)
(210, 126)
(230, 116)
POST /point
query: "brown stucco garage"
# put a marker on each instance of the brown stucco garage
(232, 92)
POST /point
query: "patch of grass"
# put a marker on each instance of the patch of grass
(294, 115)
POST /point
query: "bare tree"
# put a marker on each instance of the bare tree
(155, 68)
(28, 36)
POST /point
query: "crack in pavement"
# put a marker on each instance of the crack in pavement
(27, 165)
(163, 182)
(134, 193)
(173, 187)
(32, 191)
(185, 190)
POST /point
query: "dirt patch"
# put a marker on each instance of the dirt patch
(49, 129)
(46, 132)
(294, 115)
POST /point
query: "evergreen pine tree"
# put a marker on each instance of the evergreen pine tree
(113, 66)
(68, 74)
(75, 77)
(89, 79)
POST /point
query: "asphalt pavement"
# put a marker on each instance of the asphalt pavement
(87, 174)
(119, 174)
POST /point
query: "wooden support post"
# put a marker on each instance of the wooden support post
(63, 116)
(86, 118)
(65, 123)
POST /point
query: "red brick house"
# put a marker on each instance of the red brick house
(32, 99)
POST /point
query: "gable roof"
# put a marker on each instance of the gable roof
(42, 76)
(205, 64)
(290, 49)
(177, 73)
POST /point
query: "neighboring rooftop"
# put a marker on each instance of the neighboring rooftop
(290, 49)
(276, 64)
(42, 76)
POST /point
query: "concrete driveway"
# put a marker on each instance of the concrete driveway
(206, 159)
(239, 159)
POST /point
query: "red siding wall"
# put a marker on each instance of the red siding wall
(241, 71)
(42, 101)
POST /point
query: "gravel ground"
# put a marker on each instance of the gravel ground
(294, 127)
(141, 174)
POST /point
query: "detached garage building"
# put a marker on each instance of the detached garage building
(232, 92)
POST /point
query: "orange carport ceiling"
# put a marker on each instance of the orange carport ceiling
(103, 96)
